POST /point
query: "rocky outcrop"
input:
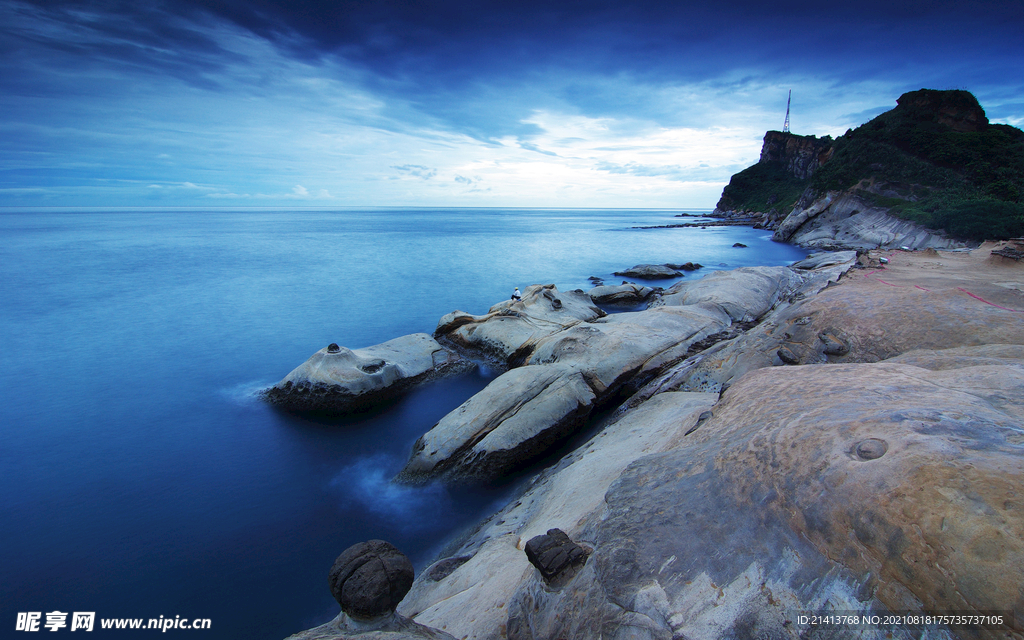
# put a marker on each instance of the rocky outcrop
(524, 413)
(509, 325)
(879, 472)
(368, 580)
(650, 272)
(624, 294)
(341, 380)
(848, 221)
(801, 155)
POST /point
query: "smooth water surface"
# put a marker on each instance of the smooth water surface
(140, 476)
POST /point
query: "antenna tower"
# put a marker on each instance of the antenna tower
(785, 127)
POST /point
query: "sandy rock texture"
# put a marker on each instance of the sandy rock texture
(340, 380)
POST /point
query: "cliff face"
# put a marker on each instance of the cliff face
(928, 171)
(801, 155)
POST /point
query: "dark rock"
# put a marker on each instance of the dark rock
(740, 245)
(333, 348)
(786, 355)
(369, 579)
(556, 556)
(686, 266)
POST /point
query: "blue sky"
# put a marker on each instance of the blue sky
(586, 103)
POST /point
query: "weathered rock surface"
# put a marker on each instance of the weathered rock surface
(649, 272)
(340, 380)
(368, 580)
(497, 565)
(525, 412)
(815, 488)
(844, 220)
(621, 294)
(515, 418)
(874, 315)
(742, 294)
(509, 325)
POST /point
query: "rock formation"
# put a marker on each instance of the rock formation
(341, 380)
(524, 413)
(368, 580)
(624, 294)
(650, 272)
(880, 474)
(509, 325)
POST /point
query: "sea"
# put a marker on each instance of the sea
(140, 475)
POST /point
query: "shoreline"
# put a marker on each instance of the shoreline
(937, 312)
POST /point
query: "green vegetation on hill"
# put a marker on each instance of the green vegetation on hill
(764, 186)
(936, 150)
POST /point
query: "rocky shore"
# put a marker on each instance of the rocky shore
(842, 435)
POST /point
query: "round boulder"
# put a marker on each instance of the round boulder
(369, 579)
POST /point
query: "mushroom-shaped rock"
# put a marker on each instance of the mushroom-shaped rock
(620, 294)
(556, 556)
(369, 579)
(339, 379)
(509, 325)
(649, 272)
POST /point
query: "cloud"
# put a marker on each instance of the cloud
(416, 170)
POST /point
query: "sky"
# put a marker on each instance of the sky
(584, 103)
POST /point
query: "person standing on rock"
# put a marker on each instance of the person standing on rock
(516, 296)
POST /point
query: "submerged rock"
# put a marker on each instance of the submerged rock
(340, 380)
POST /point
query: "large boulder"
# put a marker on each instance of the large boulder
(340, 380)
(510, 325)
(368, 580)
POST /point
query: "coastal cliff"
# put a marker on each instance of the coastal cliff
(841, 436)
(931, 173)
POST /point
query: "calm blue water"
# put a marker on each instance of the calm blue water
(140, 477)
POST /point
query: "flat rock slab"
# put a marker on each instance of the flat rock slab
(509, 325)
(340, 380)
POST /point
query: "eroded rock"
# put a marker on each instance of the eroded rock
(622, 294)
(340, 380)
(510, 326)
